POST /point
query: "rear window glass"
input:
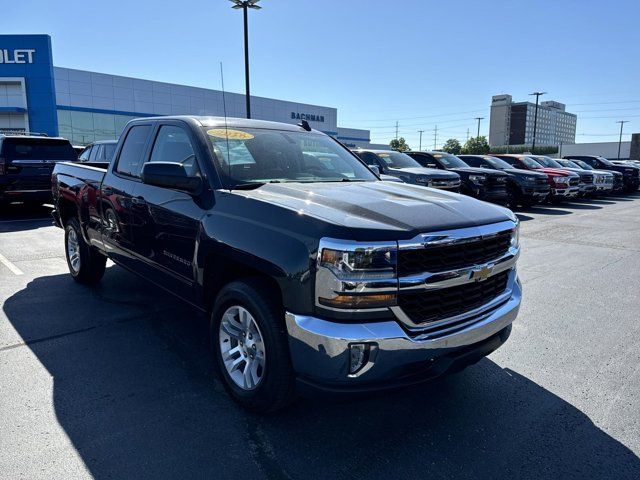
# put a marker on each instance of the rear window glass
(38, 149)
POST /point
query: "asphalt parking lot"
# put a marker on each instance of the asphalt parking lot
(116, 382)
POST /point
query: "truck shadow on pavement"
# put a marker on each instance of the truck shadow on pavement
(134, 391)
(20, 217)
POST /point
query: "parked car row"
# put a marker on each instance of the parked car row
(509, 179)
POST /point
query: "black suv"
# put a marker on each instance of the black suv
(481, 183)
(100, 151)
(405, 168)
(631, 174)
(26, 164)
(524, 187)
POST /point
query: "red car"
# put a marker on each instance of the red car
(564, 183)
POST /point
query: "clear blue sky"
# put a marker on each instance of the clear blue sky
(422, 63)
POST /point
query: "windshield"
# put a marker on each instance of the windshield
(569, 163)
(39, 149)
(605, 161)
(450, 161)
(530, 162)
(398, 160)
(256, 156)
(498, 163)
(583, 165)
(547, 162)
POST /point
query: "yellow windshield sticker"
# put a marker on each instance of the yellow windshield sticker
(437, 156)
(229, 134)
(383, 155)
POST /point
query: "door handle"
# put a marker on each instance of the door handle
(138, 201)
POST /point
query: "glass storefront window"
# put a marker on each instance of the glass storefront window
(82, 128)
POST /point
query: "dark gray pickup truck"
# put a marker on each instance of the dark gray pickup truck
(314, 272)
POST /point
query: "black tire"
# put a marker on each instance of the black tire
(91, 265)
(276, 388)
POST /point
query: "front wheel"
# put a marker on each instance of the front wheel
(249, 342)
(86, 265)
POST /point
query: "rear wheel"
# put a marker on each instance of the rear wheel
(85, 264)
(249, 340)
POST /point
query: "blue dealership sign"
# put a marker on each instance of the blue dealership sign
(28, 58)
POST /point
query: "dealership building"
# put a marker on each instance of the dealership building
(83, 106)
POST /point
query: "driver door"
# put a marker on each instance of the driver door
(167, 220)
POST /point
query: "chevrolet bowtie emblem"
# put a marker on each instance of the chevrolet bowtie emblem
(481, 274)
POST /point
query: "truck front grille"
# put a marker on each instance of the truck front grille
(440, 258)
(574, 182)
(431, 306)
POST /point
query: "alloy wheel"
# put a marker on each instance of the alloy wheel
(242, 348)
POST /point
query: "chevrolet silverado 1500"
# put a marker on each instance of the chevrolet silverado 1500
(313, 271)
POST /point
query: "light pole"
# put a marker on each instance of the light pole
(420, 132)
(245, 5)
(621, 122)
(535, 121)
(479, 118)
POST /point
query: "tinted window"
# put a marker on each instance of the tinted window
(109, 150)
(473, 161)
(497, 163)
(95, 151)
(130, 160)
(369, 158)
(38, 149)
(85, 154)
(173, 145)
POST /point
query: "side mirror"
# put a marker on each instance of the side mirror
(170, 175)
(375, 169)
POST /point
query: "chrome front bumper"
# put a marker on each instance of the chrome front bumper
(320, 348)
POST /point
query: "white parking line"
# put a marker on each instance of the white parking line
(5, 261)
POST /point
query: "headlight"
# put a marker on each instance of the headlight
(352, 275)
(477, 178)
(515, 236)
(561, 179)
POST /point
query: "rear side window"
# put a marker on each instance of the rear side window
(94, 153)
(84, 156)
(130, 160)
(108, 151)
(38, 149)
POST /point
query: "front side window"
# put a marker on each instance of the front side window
(256, 156)
(130, 161)
(173, 145)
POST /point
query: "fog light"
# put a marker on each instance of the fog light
(358, 356)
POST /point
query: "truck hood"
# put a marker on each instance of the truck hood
(380, 210)
(478, 170)
(519, 172)
(556, 171)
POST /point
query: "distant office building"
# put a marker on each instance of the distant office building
(511, 123)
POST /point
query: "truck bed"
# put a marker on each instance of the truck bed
(88, 171)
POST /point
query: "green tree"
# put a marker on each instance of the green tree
(477, 146)
(452, 146)
(399, 144)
